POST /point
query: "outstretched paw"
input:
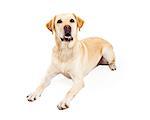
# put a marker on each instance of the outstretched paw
(63, 105)
(32, 97)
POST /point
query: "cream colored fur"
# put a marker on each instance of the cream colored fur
(74, 59)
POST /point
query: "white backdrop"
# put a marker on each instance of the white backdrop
(25, 51)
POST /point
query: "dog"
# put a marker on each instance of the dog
(72, 57)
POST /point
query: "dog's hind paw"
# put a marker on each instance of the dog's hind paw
(112, 67)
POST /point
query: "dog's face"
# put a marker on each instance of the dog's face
(65, 26)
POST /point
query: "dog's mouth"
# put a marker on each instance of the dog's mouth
(67, 38)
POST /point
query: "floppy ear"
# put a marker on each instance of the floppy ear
(80, 21)
(51, 25)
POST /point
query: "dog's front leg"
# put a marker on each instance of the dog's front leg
(77, 86)
(52, 72)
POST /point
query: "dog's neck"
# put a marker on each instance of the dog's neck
(65, 44)
(66, 50)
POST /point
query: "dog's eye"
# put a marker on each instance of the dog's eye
(59, 21)
(72, 20)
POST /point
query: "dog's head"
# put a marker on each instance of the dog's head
(65, 26)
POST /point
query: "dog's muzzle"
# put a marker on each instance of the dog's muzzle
(67, 33)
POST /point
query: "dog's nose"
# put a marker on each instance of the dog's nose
(67, 30)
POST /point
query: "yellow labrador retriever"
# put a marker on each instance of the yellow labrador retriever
(73, 58)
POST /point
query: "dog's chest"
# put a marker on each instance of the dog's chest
(64, 68)
(63, 60)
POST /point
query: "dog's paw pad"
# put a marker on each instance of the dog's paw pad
(32, 97)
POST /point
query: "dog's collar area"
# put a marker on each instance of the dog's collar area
(66, 38)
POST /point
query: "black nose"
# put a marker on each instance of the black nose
(67, 30)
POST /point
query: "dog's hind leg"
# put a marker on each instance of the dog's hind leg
(109, 56)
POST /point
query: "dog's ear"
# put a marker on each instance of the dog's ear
(51, 24)
(80, 21)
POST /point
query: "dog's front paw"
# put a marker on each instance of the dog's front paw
(32, 97)
(63, 105)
